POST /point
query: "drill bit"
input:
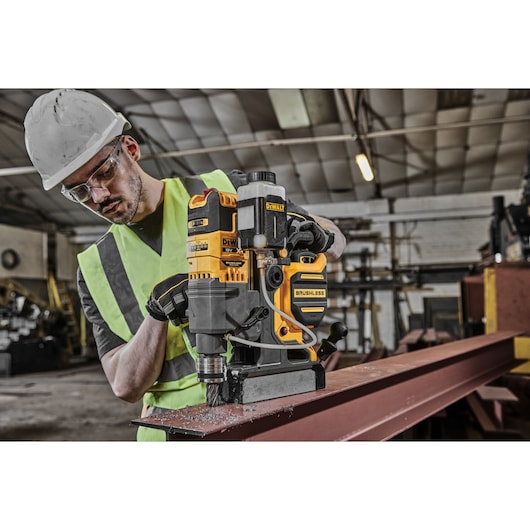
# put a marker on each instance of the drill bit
(213, 395)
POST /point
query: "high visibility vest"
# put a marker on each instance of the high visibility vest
(120, 271)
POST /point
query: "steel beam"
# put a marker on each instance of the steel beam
(369, 401)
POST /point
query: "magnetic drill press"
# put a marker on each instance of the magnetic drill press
(255, 294)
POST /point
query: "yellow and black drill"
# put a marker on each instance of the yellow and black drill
(255, 295)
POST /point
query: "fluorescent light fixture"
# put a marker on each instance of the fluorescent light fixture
(289, 107)
(364, 166)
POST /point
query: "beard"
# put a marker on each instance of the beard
(127, 206)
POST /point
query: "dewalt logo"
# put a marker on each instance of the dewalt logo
(274, 206)
(310, 293)
(229, 242)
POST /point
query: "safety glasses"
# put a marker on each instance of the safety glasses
(103, 176)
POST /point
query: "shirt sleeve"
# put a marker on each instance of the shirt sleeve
(105, 339)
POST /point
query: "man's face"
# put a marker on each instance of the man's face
(109, 184)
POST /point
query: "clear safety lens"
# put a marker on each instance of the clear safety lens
(103, 176)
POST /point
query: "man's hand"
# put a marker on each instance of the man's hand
(169, 299)
(322, 239)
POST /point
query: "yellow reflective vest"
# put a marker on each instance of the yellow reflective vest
(120, 271)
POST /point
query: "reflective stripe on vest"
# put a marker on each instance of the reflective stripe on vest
(120, 271)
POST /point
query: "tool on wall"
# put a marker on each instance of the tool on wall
(256, 293)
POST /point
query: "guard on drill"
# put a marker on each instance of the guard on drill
(77, 141)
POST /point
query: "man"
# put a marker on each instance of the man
(75, 139)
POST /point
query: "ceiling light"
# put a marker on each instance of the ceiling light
(289, 107)
(364, 166)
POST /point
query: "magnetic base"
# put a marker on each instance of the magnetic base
(245, 388)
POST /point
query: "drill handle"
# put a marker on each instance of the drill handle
(299, 239)
(337, 332)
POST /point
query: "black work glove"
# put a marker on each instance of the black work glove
(169, 299)
(322, 239)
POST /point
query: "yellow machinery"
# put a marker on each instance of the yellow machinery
(506, 307)
(61, 301)
(255, 295)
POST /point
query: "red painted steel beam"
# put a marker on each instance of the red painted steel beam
(369, 401)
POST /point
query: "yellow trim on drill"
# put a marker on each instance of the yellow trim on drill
(214, 253)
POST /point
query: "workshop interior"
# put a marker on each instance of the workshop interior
(419, 331)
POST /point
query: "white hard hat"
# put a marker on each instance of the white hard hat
(64, 129)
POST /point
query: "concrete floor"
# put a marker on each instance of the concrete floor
(73, 404)
(77, 404)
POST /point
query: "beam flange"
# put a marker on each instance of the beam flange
(369, 401)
